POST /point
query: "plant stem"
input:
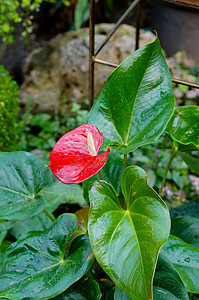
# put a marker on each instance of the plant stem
(125, 161)
(166, 170)
(106, 279)
(100, 175)
(96, 270)
(49, 215)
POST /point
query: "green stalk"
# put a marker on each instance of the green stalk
(49, 215)
(125, 161)
(166, 170)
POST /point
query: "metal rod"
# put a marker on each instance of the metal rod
(178, 81)
(121, 19)
(138, 24)
(174, 80)
(106, 63)
(91, 51)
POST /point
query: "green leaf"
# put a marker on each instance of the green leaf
(167, 283)
(126, 241)
(185, 259)
(62, 193)
(81, 13)
(4, 227)
(4, 246)
(187, 229)
(82, 290)
(38, 263)
(111, 172)
(120, 295)
(192, 162)
(136, 101)
(37, 223)
(188, 209)
(22, 176)
(82, 216)
(184, 127)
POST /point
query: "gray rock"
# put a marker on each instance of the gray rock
(57, 74)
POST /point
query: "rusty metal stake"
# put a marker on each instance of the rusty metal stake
(138, 24)
(91, 51)
(119, 22)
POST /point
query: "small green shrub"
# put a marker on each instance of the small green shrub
(9, 107)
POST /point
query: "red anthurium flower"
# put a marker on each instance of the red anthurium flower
(74, 157)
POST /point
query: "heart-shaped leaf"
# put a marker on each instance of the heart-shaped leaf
(37, 267)
(188, 209)
(82, 290)
(167, 284)
(111, 172)
(37, 223)
(136, 101)
(126, 241)
(61, 193)
(184, 127)
(192, 162)
(22, 176)
(185, 259)
(4, 227)
(187, 229)
(4, 246)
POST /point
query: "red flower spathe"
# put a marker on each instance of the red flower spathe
(72, 160)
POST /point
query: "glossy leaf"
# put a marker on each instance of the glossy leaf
(185, 259)
(184, 126)
(82, 216)
(111, 172)
(4, 227)
(136, 101)
(187, 229)
(120, 295)
(37, 223)
(61, 193)
(107, 290)
(4, 246)
(167, 283)
(188, 209)
(126, 242)
(22, 176)
(192, 162)
(82, 290)
(72, 160)
(36, 266)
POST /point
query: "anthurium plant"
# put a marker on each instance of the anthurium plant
(123, 243)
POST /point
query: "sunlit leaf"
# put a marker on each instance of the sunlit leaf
(37, 267)
(183, 127)
(61, 193)
(188, 209)
(192, 162)
(22, 176)
(136, 101)
(111, 172)
(187, 229)
(185, 259)
(82, 290)
(126, 241)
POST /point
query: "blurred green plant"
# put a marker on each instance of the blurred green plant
(41, 131)
(186, 69)
(13, 12)
(9, 97)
